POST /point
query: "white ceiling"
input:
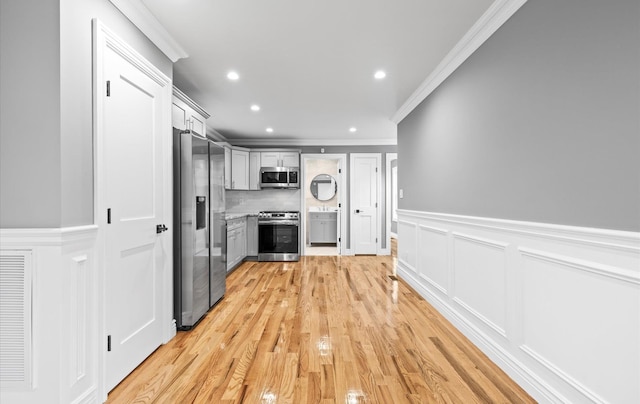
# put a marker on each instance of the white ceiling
(310, 64)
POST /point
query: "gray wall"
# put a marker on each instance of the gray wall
(540, 124)
(46, 119)
(29, 114)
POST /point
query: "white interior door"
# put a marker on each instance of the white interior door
(365, 183)
(133, 179)
(339, 212)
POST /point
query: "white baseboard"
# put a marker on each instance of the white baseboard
(544, 302)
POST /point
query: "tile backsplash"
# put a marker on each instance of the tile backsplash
(267, 199)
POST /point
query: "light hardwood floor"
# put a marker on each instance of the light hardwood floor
(322, 330)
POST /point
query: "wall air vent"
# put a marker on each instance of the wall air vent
(15, 320)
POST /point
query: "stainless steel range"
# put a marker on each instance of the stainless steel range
(278, 236)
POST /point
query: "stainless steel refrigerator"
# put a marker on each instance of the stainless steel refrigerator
(199, 220)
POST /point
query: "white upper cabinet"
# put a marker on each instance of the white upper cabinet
(280, 159)
(227, 167)
(187, 115)
(254, 170)
(239, 169)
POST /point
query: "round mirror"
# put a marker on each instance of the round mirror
(324, 187)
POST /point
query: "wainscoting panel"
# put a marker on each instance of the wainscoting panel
(572, 318)
(556, 307)
(480, 261)
(408, 256)
(433, 260)
(63, 289)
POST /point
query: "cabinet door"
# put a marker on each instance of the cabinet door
(290, 159)
(239, 169)
(331, 229)
(198, 125)
(242, 241)
(254, 171)
(315, 228)
(227, 168)
(270, 159)
(231, 249)
(178, 117)
(252, 236)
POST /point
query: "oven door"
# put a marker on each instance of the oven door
(278, 241)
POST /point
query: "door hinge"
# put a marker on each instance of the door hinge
(339, 239)
(339, 205)
(109, 216)
(108, 88)
(339, 170)
(376, 169)
(108, 343)
(376, 204)
(376, 240)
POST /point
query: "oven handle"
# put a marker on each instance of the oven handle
(280, 222)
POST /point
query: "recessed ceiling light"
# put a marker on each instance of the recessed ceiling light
(255, 107)
(352, 129)
(380, 74)
(269, 130)
(233, 75)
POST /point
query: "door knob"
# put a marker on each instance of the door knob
(357, 210)
(160, 228)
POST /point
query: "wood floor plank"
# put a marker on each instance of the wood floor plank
(321, 330)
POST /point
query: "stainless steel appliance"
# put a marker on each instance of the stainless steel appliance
(199, 267)
(279, 177)
(278, 236)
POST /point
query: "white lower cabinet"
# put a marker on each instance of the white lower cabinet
(323, 227)
(252, 236)
(236, 241)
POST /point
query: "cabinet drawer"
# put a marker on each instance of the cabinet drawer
(323, 215)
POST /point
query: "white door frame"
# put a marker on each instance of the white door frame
(104, 38)
(342, 189)
(388, 158)
(378, 156)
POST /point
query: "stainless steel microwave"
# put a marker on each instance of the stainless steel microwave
(279, 177)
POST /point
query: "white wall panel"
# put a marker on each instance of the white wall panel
(479, 275)
(556, 307)
(408, 255)
(572, 324)
(64, 314)
(433, 257)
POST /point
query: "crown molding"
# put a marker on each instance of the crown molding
(496, 15)
(191, 103)
(313, 142)
(215, 135)
(146, 22)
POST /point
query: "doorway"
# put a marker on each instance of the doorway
(391, 179)
(322, 204)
